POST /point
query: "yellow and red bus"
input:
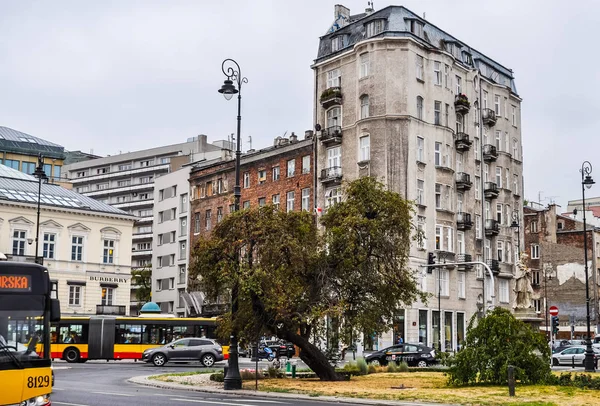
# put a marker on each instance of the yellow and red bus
(26, 309)
(78, 339)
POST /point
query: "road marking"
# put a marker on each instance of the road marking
(113, 393)
(261, 401)
(68, 404)
(61, 367)
(208, 401)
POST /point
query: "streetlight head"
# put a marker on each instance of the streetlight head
(228, 89)
(514, 224)
(588, 181)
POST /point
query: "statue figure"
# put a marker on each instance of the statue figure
(523, 288)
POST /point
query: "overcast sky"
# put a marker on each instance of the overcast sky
(123, 75)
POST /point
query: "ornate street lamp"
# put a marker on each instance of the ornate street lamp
(515, 224)
(231, 69)
(41, 175)
(586, 183)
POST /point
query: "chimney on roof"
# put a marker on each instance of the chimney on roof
(293, 138)
(341, 15)
(308, 134)
(276, 141)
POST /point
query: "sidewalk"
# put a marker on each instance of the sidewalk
(144, 380)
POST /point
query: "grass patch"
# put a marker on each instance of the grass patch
(169, 377)
(430, 387)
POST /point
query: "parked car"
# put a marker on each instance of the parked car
(279, 348)
(186, 349)
(413, 354)
(572, 355)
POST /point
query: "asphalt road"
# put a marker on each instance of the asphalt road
(98, 383)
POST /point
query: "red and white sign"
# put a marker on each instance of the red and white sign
(553, 310)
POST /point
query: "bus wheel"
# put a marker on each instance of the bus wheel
(159, 360)
(208, 360)
(71, 355)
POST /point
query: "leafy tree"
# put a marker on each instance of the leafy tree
(495, 342)
(142, 278)
(291, 277)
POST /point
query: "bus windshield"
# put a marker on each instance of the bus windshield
(22, 338)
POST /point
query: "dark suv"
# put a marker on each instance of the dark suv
(186, 349)
(280, 348)
(413, 354)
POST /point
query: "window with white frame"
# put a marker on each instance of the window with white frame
(333, 196)
(533, 226)
(416, 27)
(477, 149)
(460, 242)
(275, 200)
(364, 66)
(460, 197)
(499, 140)
(506, 178)
(246, 180)
(374, 27)
(75, 295)
(458, 84)
(438, 196)
(76, 248)
(419, 107)
(262, 176)
(444, 282)
(503, 291)
(446, 159)
(182, 250)
(516, 184)
(514, 115)
(499, 176)
(497, 105)
(291, 167)
(420, 149)
(421, 192)
(421, 230)
(306, 199)
(306, 164)
(509, 252)
(19, 240)
(337, 43)
(459, 162)
(49, 245)
(499, 213)
(507, 214)
(365, 148)
(108, 252)
(479, 268)
(333, 78)
(334, 160)
(334, 117)
(419, 63)
(446, 75)
(462, 290)
(438, 236)
(537, 305)
(488, 248)
(437, 73)
(437, 112)
(448, 198)
(535, 251)
(107, 296)
(459, 123)
(183, 226)
(290, 197)
(364, 106)
(485, 100)
(276, 173)
(477, 188)
(477, 226)
(449, 239)
(437, 154)
(500, 250)
(515, 149)
(486, 172)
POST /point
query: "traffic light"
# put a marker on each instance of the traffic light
(554, 324)
(430, 261)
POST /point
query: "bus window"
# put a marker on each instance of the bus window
(156, 334)
(53, 335)
(128, 334)
(72, 334)
(183, 331)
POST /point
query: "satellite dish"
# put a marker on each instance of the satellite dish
(317, 127)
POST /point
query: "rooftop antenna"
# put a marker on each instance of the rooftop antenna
(250, 141)
(424, 16)
(371, 5)
(283, 136)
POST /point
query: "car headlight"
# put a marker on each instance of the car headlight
(37, 401)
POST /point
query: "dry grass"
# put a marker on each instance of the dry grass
(431, 386)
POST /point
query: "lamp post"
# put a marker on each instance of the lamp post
(586, 183)
(516, 224)
(41, 175)
(231, 69)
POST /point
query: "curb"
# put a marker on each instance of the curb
(146, 381)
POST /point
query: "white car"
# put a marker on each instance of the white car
(572, 355)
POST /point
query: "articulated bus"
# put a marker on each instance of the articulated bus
(26, 310)
(78, 339)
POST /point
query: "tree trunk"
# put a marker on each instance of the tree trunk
(313, 357)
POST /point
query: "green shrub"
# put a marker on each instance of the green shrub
(218, 377)
(372, 369)
(403, 367)
(392, 367)
(362, 366)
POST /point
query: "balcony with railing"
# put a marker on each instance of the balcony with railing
(490, 190)
(112, 310)
(491, 227)
(494, 265)
(463, 181)
(490, 153)
(462, 142)
(463, 221)
(461, 104)
(331, 135)
(489, 117)
(331, 97)
(464, 258)
(332, 174)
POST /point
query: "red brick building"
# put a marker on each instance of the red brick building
(554, 244)
(282, 175)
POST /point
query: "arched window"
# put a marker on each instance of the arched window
(364, 106)
(334, 117)
(419, 107)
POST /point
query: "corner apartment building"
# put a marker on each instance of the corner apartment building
(85, 244)
(126, 181)
(282, 175)
(439, 122)
(555, 248)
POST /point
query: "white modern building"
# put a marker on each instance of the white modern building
(126, 181)
(85, 244)
(439, 122)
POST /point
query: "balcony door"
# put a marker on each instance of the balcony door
(334, 160)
